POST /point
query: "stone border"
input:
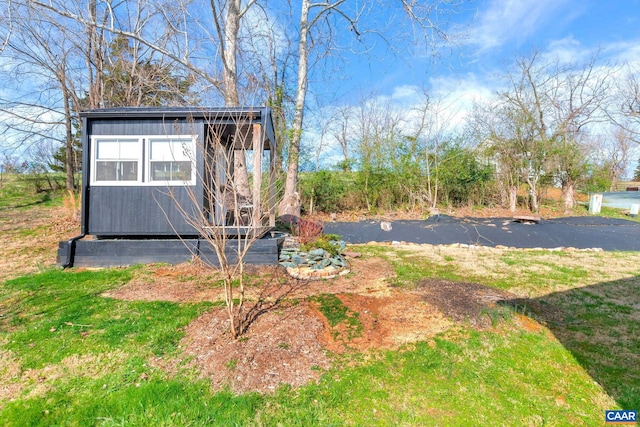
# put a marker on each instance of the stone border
(306, 273)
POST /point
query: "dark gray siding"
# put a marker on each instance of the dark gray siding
(123, 211)
(121, 252)
(141, 210)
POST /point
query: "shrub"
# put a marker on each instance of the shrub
(322, 190)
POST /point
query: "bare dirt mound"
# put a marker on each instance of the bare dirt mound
(291, 343)
(386, 322)
(192, 282)
(473, 303)
(291, 340)
(281, 347)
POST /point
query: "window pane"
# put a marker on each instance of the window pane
(170, 149)
(116, 171)
(106, 171)
(107, 149)
(128, 171)
(129, 149)
(171, 171)
(161, 171)
(117, 149)
(181, 171)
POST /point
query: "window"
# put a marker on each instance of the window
(153, 160)
(171, 159)
(117, 160)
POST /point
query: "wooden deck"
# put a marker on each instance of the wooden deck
(124, 252)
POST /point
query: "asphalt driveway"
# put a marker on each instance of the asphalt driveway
(578, 232)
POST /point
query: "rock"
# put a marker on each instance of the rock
(287, 264)
(340, 244)
(385, 225)
(317, 252)
(350, 254)
(298, 260)
(338, 262)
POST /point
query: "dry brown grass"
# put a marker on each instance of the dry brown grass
(16, 381)
(492, 264)
(71, 205)
(29, 238)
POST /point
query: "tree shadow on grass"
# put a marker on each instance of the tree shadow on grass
(600, 326)
(278, 289)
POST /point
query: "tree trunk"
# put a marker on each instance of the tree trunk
(290, 204)
(68, 145)
(533, 195)
(230, 73)
(95, 61)
(568, 194)
(513, 198)
(533, 200)
(231, 96)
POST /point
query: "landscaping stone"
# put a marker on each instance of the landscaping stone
(317, 263)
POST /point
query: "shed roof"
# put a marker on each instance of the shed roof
(137, 112)
(215, 115)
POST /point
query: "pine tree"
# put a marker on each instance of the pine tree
(636, 173)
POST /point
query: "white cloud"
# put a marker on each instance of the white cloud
(567, 50)
(405, 92)
(506, 20)
(456, 96)
(627, 52)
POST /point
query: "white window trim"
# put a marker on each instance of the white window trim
(144, 161)
(94, 160)
(147, 160)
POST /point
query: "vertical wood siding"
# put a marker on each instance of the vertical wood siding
(141, 210)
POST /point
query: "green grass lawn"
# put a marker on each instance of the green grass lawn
(70, 356)
(73, 357)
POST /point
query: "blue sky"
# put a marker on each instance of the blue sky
(494, 32)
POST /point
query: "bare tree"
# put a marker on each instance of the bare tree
(626, 112)
(290, 204)
(52, 48)
(377, 133)
(577, 99)
(612, 151)
(342, 135)
(431, 128)
(425, 27)
(528, 107)
(496, 126)
(542, 116)
(210, 47)
(94, 57)
(230, 222)
(40, 49)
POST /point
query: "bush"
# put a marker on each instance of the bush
(323, 191)
(463, 180)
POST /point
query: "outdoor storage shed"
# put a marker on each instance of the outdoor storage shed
(156, 179)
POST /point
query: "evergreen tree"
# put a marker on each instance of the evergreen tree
(132, 80)
(636, 173)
